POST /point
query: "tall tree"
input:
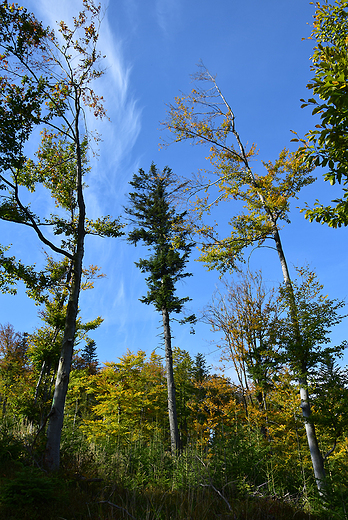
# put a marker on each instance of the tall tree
(247, 314)
(46, 80)
(326, 145)
(315, 314)
(204, 117)
(157, 224)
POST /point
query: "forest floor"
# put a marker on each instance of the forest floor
(27, 493)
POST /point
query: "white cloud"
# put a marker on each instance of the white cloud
(120, 133)
(168, 13)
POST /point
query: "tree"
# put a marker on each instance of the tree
(330, 390)
(200, 369)
(129, 399)
(90, 357)
(48, 83)
(14, 369)
(326, 145)
(158, 225)
(247, 314)
(204, 117)
(184, 390)
(213, 408)
(45, 342)
(316, 314)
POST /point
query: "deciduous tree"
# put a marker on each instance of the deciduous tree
(46, 80)
(326, 145)
(204, 117)
(247, 314)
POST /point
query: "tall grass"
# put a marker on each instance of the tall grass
(232, 478)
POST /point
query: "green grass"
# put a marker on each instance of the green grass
(141, 482)
(73, 500)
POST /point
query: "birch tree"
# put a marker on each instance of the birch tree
(46, 83)
(204, 117)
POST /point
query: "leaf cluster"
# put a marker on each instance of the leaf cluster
(326, 145)
(315, 315)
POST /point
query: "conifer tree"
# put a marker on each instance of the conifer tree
(90, 356)
(158, 225)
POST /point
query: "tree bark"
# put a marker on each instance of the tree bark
(173, 418)
(56, 415)
(316, 457)
(42, 371)
(281, 255)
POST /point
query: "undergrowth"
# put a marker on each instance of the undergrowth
(144, 482)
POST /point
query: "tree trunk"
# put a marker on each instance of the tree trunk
(173, 418)
(282, 259)
(56, 415)
(43, 367)
(316, 457)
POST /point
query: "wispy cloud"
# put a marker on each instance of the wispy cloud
(168, 14)
(109, 173)
(120, 133)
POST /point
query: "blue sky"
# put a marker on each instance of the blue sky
(262, 65)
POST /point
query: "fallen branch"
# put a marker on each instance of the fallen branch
(219, 493)
(118, 507)
(214, 488)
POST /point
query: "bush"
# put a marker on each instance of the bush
(29, 486)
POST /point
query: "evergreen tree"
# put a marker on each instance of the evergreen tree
(90, 357)
(200, 368)
(159, 227)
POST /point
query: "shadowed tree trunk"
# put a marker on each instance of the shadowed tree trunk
(173, 418)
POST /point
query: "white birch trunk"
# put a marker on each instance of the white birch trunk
(316, 457)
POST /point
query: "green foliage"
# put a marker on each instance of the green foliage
(15, 373)
(129, 400)
(12, 447)
(144, 481)
(21, 102)
(330, 395)
(315, 315)
(29, 486)
(204, 117)
(160, 228)
(12, 270)
(326, 145)
(89, 357)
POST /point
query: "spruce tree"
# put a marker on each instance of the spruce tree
(90, 356)
(158, 226)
